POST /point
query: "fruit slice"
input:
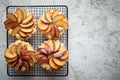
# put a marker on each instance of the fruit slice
(12, 64)
(27, 25)
(19, 37)
(57, 45)
(53, 32)
(8, 54)
(65, 56)
(55, 13)
(24, 13)
(59, 17)
(43, 59)
(19, 49)
(7, 21)
(59, 54)
(27, 66)
(48, 16)
(6, 24)
(42, 18)
(23, 68)
(12, 17)
(62, 24)
(10, 24)
(57, 32)
(46, 31)
(19, 65)
(27, 30)
(59, 62)
(20, 15)
(52, 64)
(29, 59)
(15, 30)
(24, 49)
(29, 53)
(39, 56)
(30, 33)
(51, 45)
(47, 48)
(22, 34)
(9, 60)
(42, 50)
(42, 26)
(27, 19)
(13, 49)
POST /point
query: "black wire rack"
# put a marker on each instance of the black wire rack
(37, 39)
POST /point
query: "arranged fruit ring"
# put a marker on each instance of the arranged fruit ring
(52, 24)
(52, 55)
(20, 55)
(20, 24)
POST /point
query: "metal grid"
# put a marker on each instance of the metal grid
(37, 39)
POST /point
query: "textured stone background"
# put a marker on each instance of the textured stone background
(94, 39)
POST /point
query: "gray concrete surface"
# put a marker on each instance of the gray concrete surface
(94, 39)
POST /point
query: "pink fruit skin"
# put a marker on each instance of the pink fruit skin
(44, 51)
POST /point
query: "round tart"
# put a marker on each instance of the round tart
(20, 24)
(20, 56)
(52, 24)
(52, 55)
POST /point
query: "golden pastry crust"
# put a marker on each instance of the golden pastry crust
(52, 24)
(20, 24)
(52, 55)
(20, 55)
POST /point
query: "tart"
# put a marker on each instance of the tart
(20, 24)
(20, 56)
(52, 24)
(52, 55)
